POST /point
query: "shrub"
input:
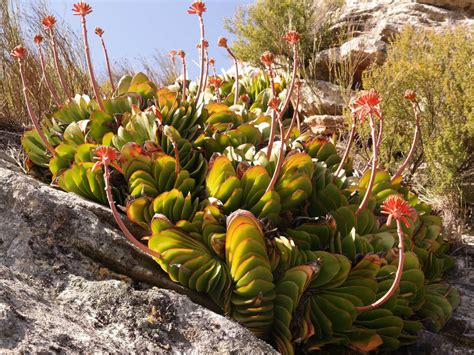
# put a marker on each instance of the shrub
(439, 67)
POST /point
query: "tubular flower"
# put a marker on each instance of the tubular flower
(48, 22)
(274, 103)
(215, 81)
(81, 9)
(292, 37)
(18, 52)
(212, 61)
(181, 53)
(197, 8)
(222, 42)
(38, 39)
(367, 104)
(106, 155)
(410, 95)
(99, 31)
(205, 42)
(396, 207)
(172, 53)
(267, 58)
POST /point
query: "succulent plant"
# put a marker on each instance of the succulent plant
(275, 228)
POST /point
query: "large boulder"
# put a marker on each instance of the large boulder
(70, 282)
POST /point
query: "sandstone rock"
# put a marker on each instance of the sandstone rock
(465, 5)
(374, 23)
(70, 282)
(321, 98)
(324, 124)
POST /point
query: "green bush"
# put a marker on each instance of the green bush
(440, 68)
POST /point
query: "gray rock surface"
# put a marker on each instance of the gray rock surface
(69, 282)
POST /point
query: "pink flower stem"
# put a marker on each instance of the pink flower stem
(416, 136)
(107, 62)
(206, 71)
(130, 237)
(46, 79)
(58, 65)
(184, 78)
(348, 147)
(95, 87)
(368, 192)
(201, 73)
(398, 275)
(274, 114)
(32, 114)
(295, 118)
(236, 96)
(379, 141)
(281, 154)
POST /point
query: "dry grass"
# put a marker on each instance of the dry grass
(18, 26)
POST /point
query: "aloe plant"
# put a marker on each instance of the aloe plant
(290, 244)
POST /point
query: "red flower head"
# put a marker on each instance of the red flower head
(81, 9)
(410, 95)
(366, 104)
(274, 103)
(99, 31)
(18, 52)
(292, 37)
(396, 207)
(206, 44)
(181, 53)
(212, 61)
(197, 8)
(215, 81)
(172, 53)
(38, 39)
(106, 156)
(267, 58)
(222, 42)
(244, 98)
(48, 22)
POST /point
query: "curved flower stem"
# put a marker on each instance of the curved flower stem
(274, 179)
(46, 79)
(95, 87)
(287, 99)
(107, 62)
(348, 147)
(32, 114)
(201, 72)
(59, 70)
(295, 118)
(206, 69)
(416, 136)
(398, 275)
(184, 78)
(130, 237)
(379, 141)
(368, 192)
(236, 96)
(274, 114)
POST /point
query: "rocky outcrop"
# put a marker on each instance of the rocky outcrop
(464, 5)
(70, 282)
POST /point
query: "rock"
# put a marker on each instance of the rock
(70, 282)
(320, 97)
(324, 124)
(375, 23)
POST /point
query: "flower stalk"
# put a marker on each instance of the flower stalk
(38, 39)
(396, 208)
(267, 59)
(107, 156)
(198, 8)
(295, 119)
(222, 42)
(275, 103)
(410, 96)
(48, 24)
(348, 146)
(19, 52)
(100, 32)
(182, 55)
(82, 9)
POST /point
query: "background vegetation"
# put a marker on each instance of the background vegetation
(440, 68)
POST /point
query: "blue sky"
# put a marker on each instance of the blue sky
(135, 28)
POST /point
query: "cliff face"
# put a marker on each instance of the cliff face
(373, 24)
